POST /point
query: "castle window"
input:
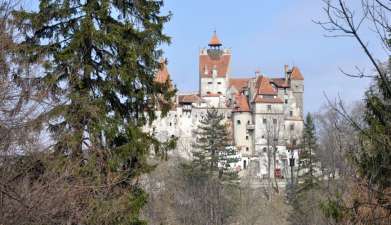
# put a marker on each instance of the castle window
(286, 101)
(247, 148)
(210, 82)
(263, 136)
(219, 92)
(285, 91)
(294, 141)
(290, 113)
(269, 107)
(170, 124)
(292, 127)
(264, 149)
(264, 121)
(246, 137)
(274, 121)
(238, 122)
(248, 122)
(218, 82)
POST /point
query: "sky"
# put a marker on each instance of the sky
(265, 35)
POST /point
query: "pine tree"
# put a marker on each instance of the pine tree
(303, 200)
(307, 159)
(374, 159)
(213, 151)
(98, 59)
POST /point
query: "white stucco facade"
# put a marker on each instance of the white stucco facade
(265, 115)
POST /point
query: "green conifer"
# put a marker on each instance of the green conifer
(213, 147)
(98, 60)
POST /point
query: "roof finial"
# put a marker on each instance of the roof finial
(214, 41)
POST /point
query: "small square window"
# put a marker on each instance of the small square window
(274, 121)
(269, 107)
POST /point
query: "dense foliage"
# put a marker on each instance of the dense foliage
(95, 60)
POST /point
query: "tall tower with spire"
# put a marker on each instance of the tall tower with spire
(214, 64)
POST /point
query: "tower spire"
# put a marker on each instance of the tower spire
(214, 41)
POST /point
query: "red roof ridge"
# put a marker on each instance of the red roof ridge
(162, 75)
(264, 87)
(241, 104)
(296, 74)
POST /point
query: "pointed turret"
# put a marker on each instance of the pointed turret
(215, 41)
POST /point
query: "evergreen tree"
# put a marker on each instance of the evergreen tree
(304, 200)
(307, 158)
(375, 157)
(98, 59)
(213, 148)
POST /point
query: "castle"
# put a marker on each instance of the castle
(265, 114)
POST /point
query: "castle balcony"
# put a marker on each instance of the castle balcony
(250, 127)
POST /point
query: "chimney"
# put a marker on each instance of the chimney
(286, 71)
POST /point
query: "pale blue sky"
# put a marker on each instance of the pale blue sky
(265, 35)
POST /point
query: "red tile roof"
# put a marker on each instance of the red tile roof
(264, 87)
(238, 83)
(188, 98)
(208, 63)
(162, 75)
(260, 99)
(214, 41)
(279, 82)
(241, 104)
(296, 74)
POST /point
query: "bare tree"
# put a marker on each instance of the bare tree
(369, 203)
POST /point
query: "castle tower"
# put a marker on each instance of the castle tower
(297, 86)
(214, 68)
